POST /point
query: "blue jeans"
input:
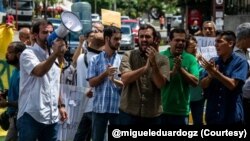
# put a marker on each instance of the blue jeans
(197, 108)
(100, 122)
(31, 130)
(174, 120)
(83, 132)
(128, 119)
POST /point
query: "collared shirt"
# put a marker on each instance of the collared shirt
(107, 94)
(13, 91)
(175, 94)
(38, 96)
(224, 106)
(142, 97)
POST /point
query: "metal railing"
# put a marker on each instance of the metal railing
(237, 7)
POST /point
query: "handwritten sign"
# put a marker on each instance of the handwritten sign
(206, 47)
(111, 18)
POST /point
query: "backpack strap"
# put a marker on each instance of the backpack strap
(86, 59)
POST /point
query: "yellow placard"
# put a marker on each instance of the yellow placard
(6, 37)
(111, 18)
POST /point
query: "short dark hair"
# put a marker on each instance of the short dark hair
(228, 36)
(110, 30)
(18, 46)
(36, 26)
(147, 26)
(190, 37)
(176, 30)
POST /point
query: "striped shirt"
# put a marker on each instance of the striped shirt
(107, 94)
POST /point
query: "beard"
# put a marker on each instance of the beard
(113, 47)
(143, 47)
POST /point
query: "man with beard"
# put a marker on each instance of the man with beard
(39, 104)
(184, 72)
(102, 76)
(143, 73)
(12, 56)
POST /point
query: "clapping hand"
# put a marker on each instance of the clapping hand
(177, 64)
(209, 66)
(151, 53)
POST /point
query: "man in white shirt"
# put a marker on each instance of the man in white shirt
(39, 104)
(93, 48)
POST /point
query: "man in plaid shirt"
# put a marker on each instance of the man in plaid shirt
(102, 76)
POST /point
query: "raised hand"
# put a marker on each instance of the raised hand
(177, 64)
(209, 66)
(151, 53)
(59, 47)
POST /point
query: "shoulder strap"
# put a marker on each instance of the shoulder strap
(85, 60)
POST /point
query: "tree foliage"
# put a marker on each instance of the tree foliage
(135, 8)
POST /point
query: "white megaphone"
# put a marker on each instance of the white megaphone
(70, 22)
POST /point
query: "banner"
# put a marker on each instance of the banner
(6, 37)
(75, 103)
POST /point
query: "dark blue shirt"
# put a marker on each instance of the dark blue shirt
(224, 106)
(13, 92)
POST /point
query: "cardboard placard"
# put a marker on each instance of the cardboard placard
(111, 18)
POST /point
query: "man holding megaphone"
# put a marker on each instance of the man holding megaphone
(39, 101)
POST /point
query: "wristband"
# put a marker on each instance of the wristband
(61, 105)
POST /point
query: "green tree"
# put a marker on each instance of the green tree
(136, 8)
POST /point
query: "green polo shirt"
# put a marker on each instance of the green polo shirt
(175, 94)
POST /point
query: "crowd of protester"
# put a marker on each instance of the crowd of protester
(141, 87)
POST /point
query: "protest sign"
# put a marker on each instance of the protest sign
(206, 47)
(111, 18)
